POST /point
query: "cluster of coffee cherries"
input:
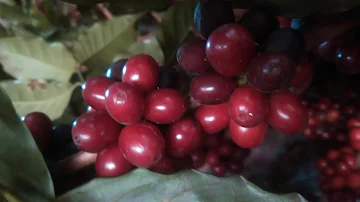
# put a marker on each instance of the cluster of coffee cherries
(339, 177)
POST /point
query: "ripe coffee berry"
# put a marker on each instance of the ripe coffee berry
(125, 103)
(230, 48)
(93, 91)
(248, 137)
(219, 169)
(213, 118)
(191, 56)
(287, 114)
(164, 166)
(198, 158)
(142, 72)
(225, 149)
(94, 131)
(353, 181)
(248, 107)
(40, 127)
(337, 182)
(302, 78)
(141, 144)
(183, 137)
(211, 88)
(111, 163)
(116, 69)
(213, 158)
(164, 106)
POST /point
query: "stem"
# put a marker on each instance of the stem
(105, 11)
(76, 162)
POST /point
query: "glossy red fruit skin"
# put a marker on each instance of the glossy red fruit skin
(337, 182)
(90, 109)
(213, 157)
(333, 115)
(302, 78)
(116, 69)
(350, 160)
(333, 155)
(213, 118)
(125, 103)
(287, 114)
(198, 158)
(271, 72)
(219, 169)
(141, 71)
(211, 88)
(354, 134)
(191, 56)
(40, 127)
(354, 122)
(343, 169)
(248, 107)
(230, 49)
(164, 166)
(94, 131)
(111, 163)
(322, 164)
(141, 144)
(248, 137)
(164, 106)
(93, 91)
(225, 149)
(183, 137)
(353, 181)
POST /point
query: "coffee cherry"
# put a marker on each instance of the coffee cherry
(347, 150)
(284, 22)
(225, 149)
(353, 122)
(333, 155)
(337, 182)
(248, 137)
(164, 106)
(230, 49)
(142, 72)
(329, 171)
(116, 69)
(211, 14)
(333, 115)
(322, 164)
(302, 78)
(213, 118)
(164, 166)
(343, 169)
(350, 160)
(260, 23)
(94, 131)
(248, 107)
(191, 56)
(213, 158)
(353, 181)
(90, 109)
(271, 72)
(354, 134)
(40, 127)
(219, 169)
(198, 158)
(125, 103)
(211, 88)
(111, 163)
(287, 114)
(183, 137)
(141, 144)
(93, 91)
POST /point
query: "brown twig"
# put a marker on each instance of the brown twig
(76, 162)
(105, 11)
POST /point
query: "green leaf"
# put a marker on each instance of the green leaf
(22, 168)
(175, 27)
(14, 14)
(302, 8)
(100, 44)
(52, 98)
(3, 32)
(36, 59)
(21, 31)
(142, 185)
